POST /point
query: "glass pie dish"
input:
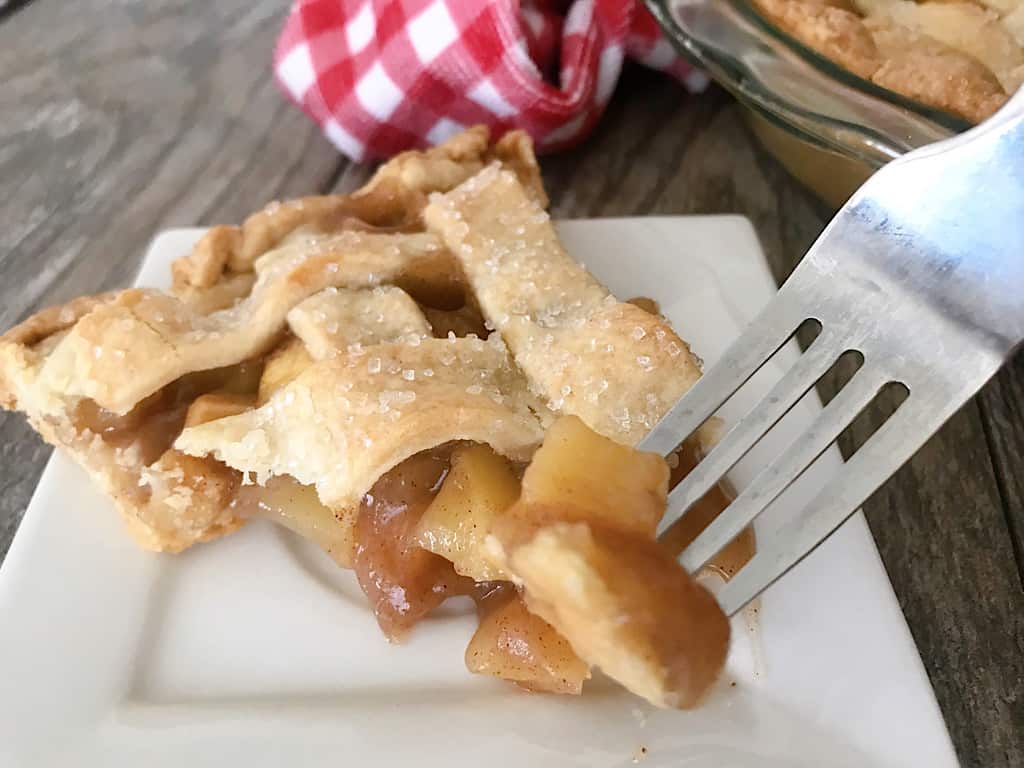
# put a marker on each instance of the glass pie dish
(829, 127)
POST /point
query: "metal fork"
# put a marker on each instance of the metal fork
(922, 272)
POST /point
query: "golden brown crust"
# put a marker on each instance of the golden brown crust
(235, 249)
(168, 506)
(205, 264)
(142, 340)
(17, 356)
(192, 497)
(1014, 23)
(231, 288)
(15, 361)
(961, 26)
(515, 151)
(621, 600)
(46, 322)
(438, 168)
(936, 75)
(956, 56)
(347, 420)
(614, 365)
(393, 196)
(833, 32)
(338, 319)
(266, 229)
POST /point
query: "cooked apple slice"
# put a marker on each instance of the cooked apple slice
(480, 486)
(296, 506)
(650, 306)
(580, 475)
(625, 605)
(241, 379)
(217, 405)
(283, 367)
(514, 644)
(580, 541)
(402, 581)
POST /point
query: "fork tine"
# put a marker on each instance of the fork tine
(759, 341)
(811, 366)
(889, 448)
(778, 475)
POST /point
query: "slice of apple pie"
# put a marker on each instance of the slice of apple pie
(419, 379)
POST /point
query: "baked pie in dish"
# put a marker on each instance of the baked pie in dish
(419, 379)
(964, 57)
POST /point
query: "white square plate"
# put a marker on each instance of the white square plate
(255, 650)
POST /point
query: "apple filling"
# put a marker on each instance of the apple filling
(403, 581)
(156, 421)
(560, 555)
(516, 645)
(565, 570)
(421, 533)
(297, 507)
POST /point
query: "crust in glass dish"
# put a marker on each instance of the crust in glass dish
(959, 57)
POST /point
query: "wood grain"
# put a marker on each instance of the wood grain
(120, 122)
(1002, 411)
(121, 119)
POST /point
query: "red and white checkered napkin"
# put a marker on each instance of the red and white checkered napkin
(381, 76)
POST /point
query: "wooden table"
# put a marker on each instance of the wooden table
(119, 120)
